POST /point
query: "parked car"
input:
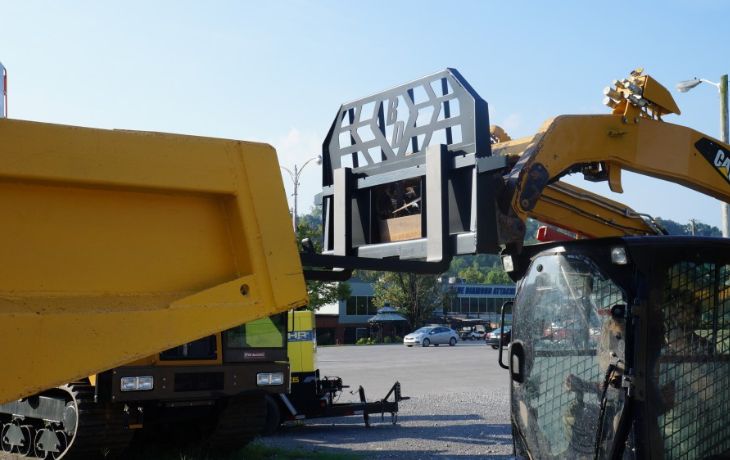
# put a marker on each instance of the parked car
(465, 333)
(472, 334)
(560, 331)
(476, 335)
(571, 331)
(431, 335)
(497, 337)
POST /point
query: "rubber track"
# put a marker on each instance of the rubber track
(242, 419)
(102, 430)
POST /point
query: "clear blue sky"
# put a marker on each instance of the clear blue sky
(277, 71)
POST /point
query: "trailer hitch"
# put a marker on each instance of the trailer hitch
(382, 406)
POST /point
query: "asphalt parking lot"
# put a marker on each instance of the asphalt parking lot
(458, 408)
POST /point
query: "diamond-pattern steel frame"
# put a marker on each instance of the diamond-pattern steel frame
(403, 121)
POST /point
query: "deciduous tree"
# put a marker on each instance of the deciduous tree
(320, 293)
(416, 297)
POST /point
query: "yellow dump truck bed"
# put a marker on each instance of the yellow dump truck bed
(115, 245)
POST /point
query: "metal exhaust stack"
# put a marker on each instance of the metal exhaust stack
(4, 95)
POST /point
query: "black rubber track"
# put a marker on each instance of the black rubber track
(241, 419)
(102, 430)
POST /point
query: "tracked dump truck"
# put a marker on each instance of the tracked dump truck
(117, 245)
(112, 254)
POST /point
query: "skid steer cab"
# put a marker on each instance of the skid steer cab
(621, 349)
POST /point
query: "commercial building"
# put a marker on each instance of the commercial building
(347, 320)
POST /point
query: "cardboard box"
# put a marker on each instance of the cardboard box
(401, 228)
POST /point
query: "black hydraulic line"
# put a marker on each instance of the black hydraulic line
(602, 414)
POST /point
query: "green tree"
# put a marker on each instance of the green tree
(473, 274)
(497, 275)
(672, 227)
(700, 229)
(458, 264)
(705, 229)
(416, 297)
(367, 275)
(482, 269)
(319, 292)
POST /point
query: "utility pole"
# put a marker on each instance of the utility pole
(687, 85)
(724, 130)
(295, 182)
(3, 92)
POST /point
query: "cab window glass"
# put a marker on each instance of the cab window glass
(570, 340)
(204, 348)
(262, 333)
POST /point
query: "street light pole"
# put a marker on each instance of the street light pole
(724, 130)
(3, 92)
(685, 86)
(295, 181)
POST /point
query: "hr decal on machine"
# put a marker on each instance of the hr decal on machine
(300, 336)
(717, 155)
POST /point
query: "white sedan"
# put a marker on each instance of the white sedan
(431, 335)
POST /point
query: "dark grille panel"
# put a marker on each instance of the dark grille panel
(199, 381)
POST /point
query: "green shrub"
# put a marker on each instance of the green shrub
(387, 339)
(362, 341)
(398, 339)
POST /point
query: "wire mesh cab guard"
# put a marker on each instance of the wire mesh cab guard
(409, 180)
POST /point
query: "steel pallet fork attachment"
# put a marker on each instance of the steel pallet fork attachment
(409, 181)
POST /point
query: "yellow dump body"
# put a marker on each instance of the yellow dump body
(115, 245)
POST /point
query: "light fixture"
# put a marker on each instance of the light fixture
(619, 256)
(686, 85)
(508, 264)
(144, 383)
(269, 378)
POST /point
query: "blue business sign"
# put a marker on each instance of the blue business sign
(504, 291)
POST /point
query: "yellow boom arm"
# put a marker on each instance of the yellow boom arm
(605, 145)
(588, 214)
(118, 244)
(633, 138)
(572, 208)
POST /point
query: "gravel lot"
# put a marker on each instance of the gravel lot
(458, 408)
